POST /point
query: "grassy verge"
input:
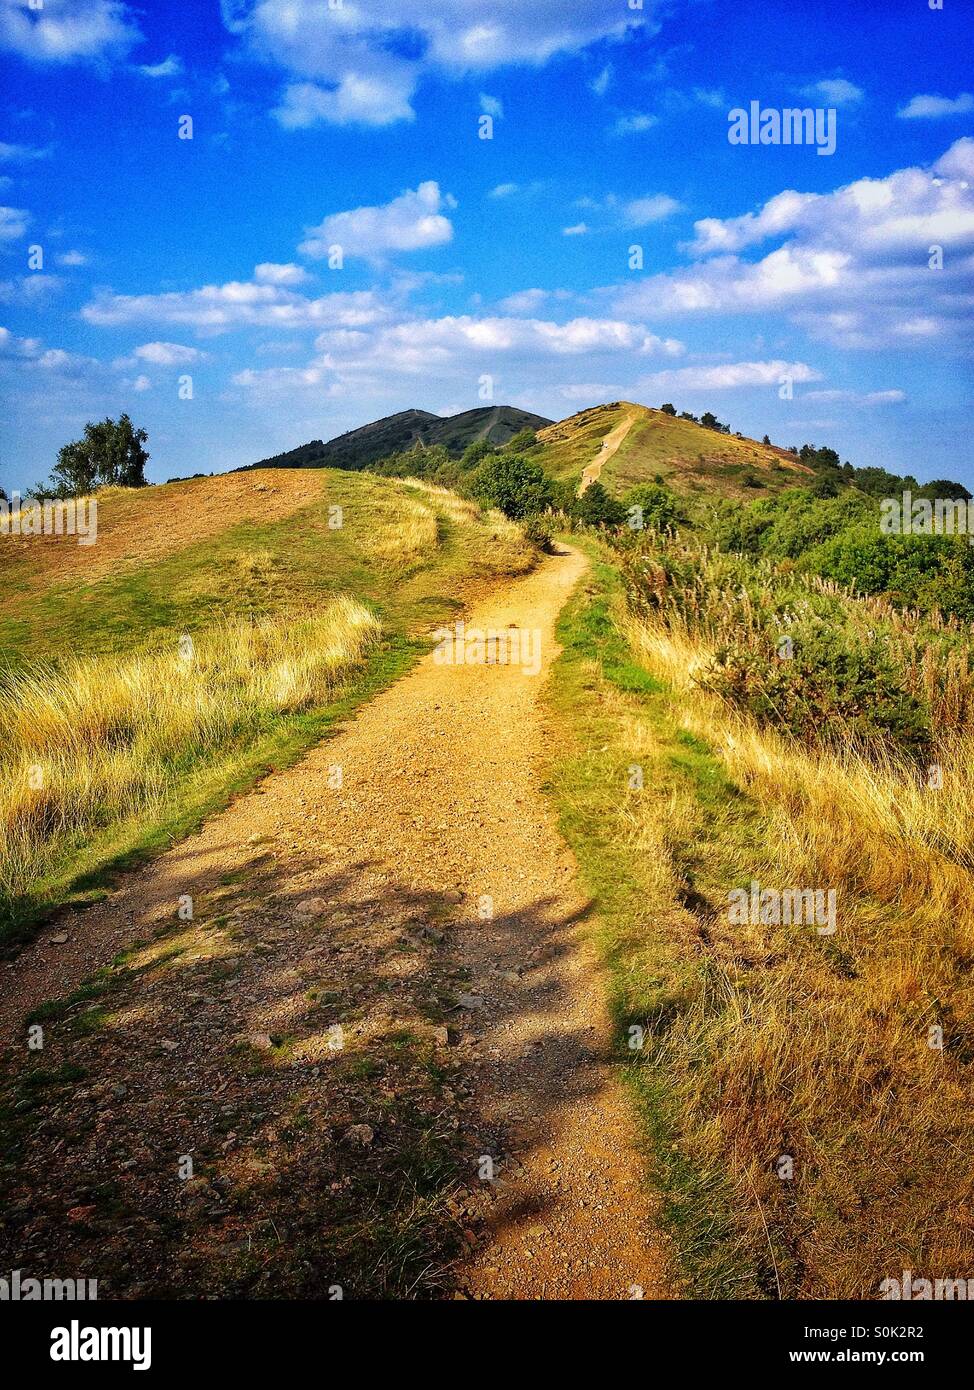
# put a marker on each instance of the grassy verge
(147, 697)
(805, 1096)
(614, 718)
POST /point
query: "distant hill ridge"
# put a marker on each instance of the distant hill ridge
(360, 447)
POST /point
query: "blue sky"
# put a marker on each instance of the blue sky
(358, 124)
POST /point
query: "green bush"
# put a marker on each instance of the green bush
(596, 507)
(538, 530)
(518, 486)
(836, 685)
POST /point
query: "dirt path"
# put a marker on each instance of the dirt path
(610, 444)
(440, 798)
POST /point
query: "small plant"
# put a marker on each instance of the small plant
(537, 530)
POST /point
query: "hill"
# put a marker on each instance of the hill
(644, 444)
(394, 433)
(217, 625)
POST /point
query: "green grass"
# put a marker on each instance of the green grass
(596, 687)
(687, 457)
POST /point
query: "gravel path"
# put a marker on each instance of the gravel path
(441, 797)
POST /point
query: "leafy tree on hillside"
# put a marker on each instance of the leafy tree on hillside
(596, 507)
(942, 487)
(668, 409)
(476, 452)
(109, 455)
(659, 508)
(518, 486)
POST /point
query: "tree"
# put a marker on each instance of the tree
(518, 486)
(766, 440)
(668, 409)
(109, 455)
(710, 421)
(941, 487)
(596, 507)
(476, 452)
(659, 508)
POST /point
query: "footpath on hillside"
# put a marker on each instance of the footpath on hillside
(410, 861)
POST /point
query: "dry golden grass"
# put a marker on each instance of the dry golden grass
(789, 1043)
(102, 739)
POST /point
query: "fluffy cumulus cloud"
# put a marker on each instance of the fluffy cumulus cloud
(412, 222)
(238, 304)
(853, 266)
(455, 348)
(168, 354)
(362, 63)
(933, 108)
(67, 31)
(31, 354)
(271, 273)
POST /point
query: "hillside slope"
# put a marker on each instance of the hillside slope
(688, 457)
(216, 624)
(391, 435)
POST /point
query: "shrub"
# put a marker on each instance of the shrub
(596, 507)
(538, 530)
(518, 486)
(836, 685)
(659, 508)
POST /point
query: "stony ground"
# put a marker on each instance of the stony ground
(376, 1057)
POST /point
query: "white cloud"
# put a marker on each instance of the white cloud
(642, 211)
(13, 223)
(11, 346)
(168, 354)
(578, 229)
(67, 31)
(70, 258)
(600, 84)
(270, 273)
(412, 222)
(524, 301)
(354, 100)
(30, 354)
(730, 376)
(169, 67)
(239, 304)
(856, 397)
(351, 65)
(635, 124)
(933, 108)
(492, 106)
(21, 154)
(141, 383)
(504, 190)
(834, 91)
(851, 266)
